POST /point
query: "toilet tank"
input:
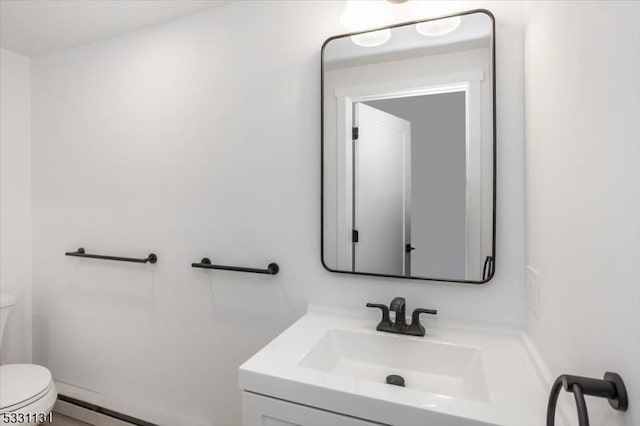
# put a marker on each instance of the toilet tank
(6, 305)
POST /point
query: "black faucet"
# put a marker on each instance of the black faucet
(398, 305)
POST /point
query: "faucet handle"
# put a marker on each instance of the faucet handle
(386, 320)
(416, 329)
(418, 311)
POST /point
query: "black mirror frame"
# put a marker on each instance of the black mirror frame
(490, 259)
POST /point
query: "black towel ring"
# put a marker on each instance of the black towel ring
(611, 387)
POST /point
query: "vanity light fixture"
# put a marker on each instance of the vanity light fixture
(359, 15)
(439, 27)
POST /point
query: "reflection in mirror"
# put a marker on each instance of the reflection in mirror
(408, 150)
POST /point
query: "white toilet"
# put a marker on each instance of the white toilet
(27, 391)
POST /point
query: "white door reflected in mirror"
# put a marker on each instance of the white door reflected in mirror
(382, 190)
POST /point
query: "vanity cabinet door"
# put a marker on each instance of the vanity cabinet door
(258, 410)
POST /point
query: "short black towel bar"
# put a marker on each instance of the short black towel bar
(205, 263)
(611, 387)
(152, 258)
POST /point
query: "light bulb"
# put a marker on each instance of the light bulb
(372, 38)
(438, 27)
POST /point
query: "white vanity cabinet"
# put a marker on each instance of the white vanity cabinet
(260, 410)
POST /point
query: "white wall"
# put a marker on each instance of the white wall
(202, 137)
(583, 186)
(15, 202)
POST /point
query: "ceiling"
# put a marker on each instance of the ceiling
(36, 27)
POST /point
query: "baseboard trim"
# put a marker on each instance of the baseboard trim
(123, 409)
(104, 411)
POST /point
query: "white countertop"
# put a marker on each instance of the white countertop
(517, 392)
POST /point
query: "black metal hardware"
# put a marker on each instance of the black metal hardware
(408, 248)
(416, 329)
(488, 276)
(487, 269)
(355, 236)
(611, 387)
(386, 320)
(205, 263)
(394, 379)
(398, 305)
(152, 258)
(355, 132)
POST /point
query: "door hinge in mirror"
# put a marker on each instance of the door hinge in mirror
(354, 133)
(355, 236)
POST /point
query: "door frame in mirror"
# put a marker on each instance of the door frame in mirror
(489, 262)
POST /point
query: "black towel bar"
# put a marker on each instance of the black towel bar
(611, 387)
(205, 263)
(152, 258)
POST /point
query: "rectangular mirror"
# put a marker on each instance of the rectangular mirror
(408, 150)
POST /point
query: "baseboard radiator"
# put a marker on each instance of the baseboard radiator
(96, 410)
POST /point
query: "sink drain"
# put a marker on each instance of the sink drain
(395, 380)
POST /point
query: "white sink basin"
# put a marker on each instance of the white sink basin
(456, 375)
(440, 368)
